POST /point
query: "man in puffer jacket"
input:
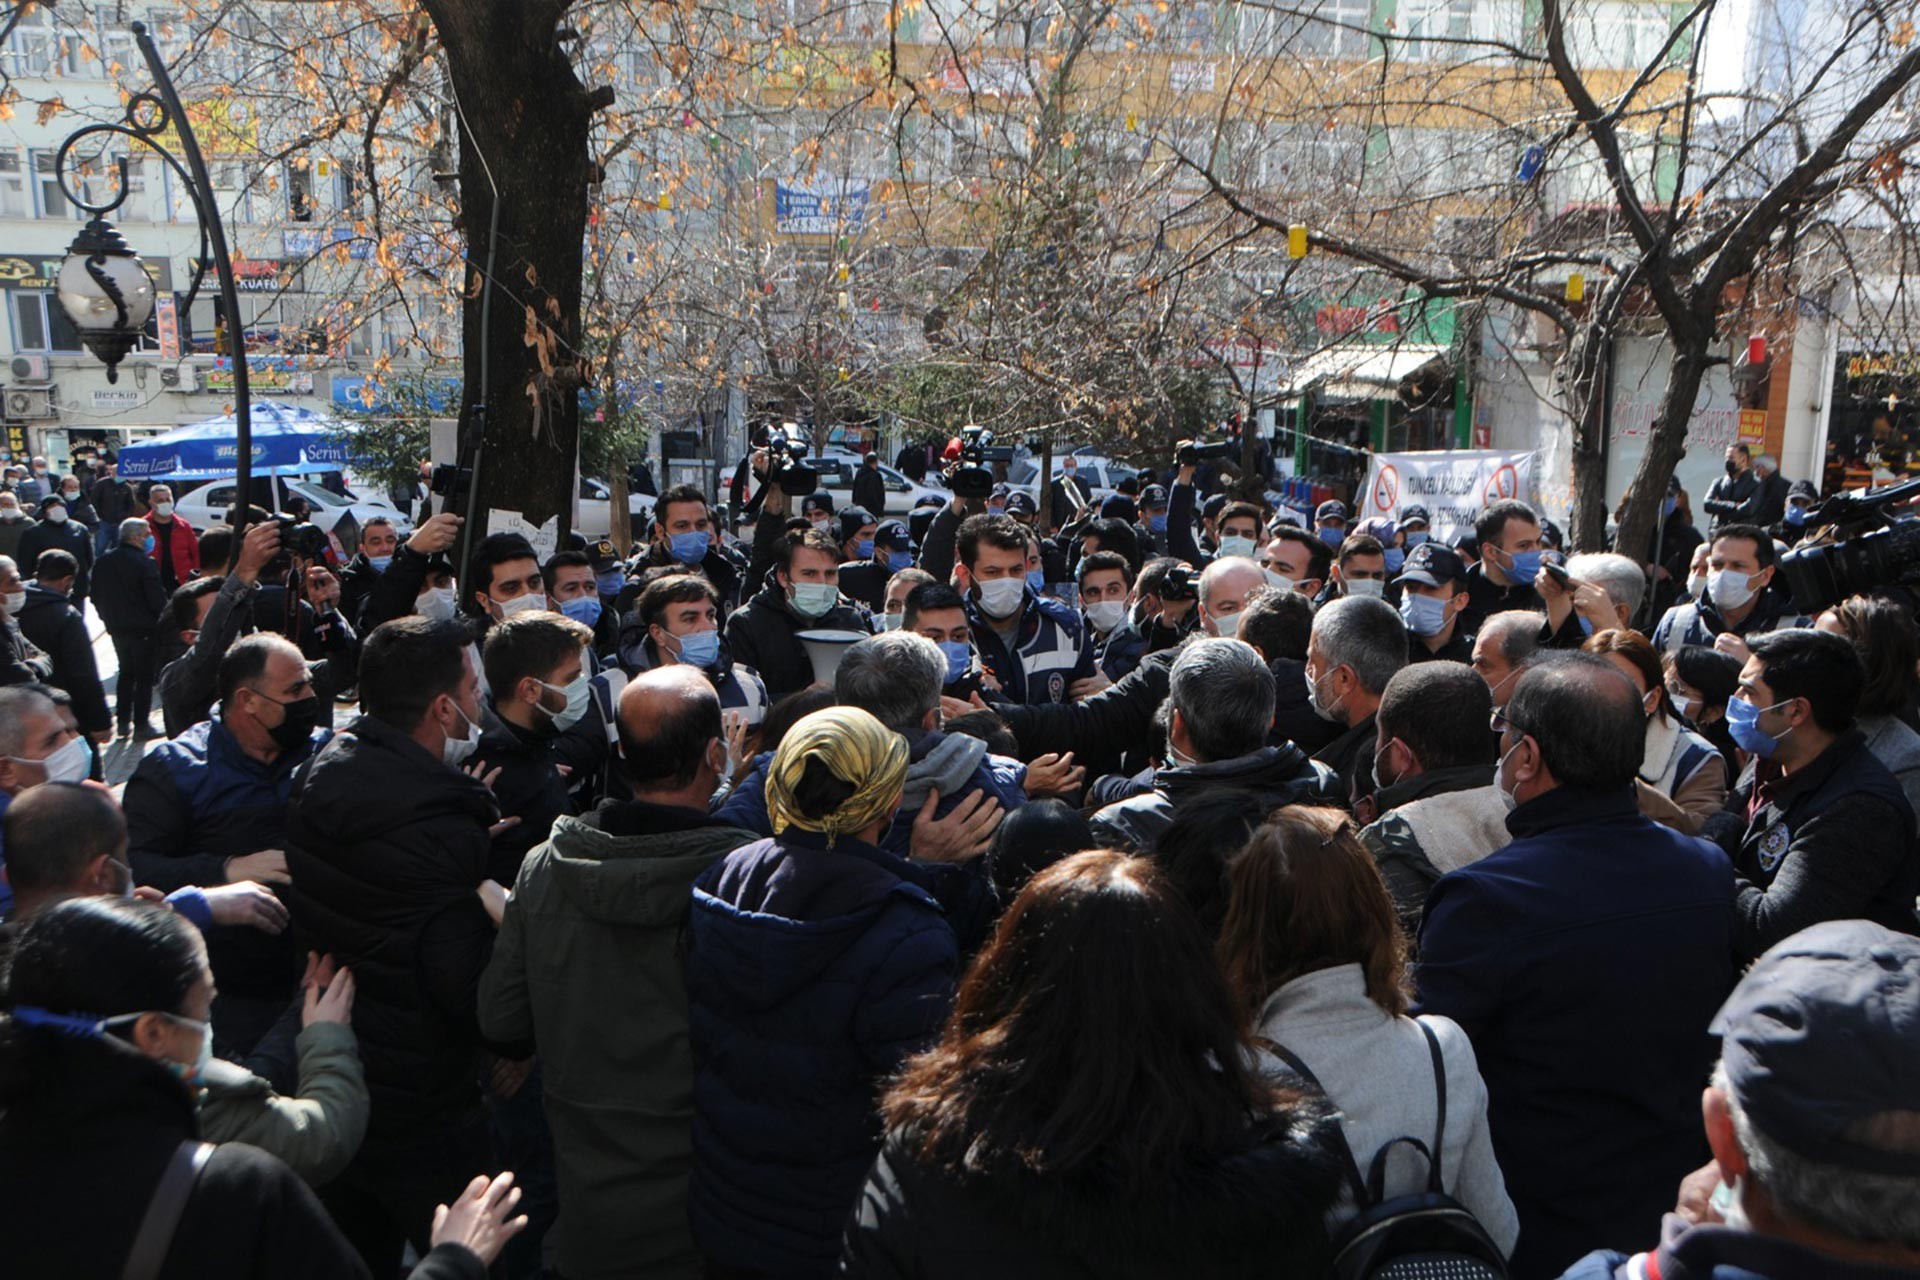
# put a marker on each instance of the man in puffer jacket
(1433, 765)
(1221, 699)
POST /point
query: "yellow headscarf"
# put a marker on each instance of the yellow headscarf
(854, 747)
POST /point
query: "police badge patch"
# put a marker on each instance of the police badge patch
(1056, 686)
(1773, 847)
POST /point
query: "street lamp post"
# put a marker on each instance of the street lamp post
(104, 287)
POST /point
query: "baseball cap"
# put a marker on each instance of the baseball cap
(1415, 514)
(1212, 507)
(1019, 503)
(1823, 1032)
(603, 554)
(1001, 491)
(1803, 489)
(893, 534)
(1432, 565)
(853, 520)
(1331, 509)
(820, 500)
(1379, 527)
(1117, 506)
(1153, 496)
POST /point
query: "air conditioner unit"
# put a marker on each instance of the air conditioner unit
(180, 377)
(28, 404)
(32, 369)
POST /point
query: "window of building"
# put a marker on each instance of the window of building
(33, 48)
(49, 200)
(13, 187)
(1338, 29)
(39, 324)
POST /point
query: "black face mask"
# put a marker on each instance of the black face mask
(1733, 469)
(302, 718)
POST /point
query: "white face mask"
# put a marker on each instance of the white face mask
(1227, 627)
(456, 750)
(1277, 582)
(57, 514)
(15, 601)
(70, 762)
(1697, 586)
(532, 602)
(1729, 589)
(1508, 800)
(163, 509)
(1367, 588)
(1001, 598)
(436, 604)
(1235, 544)
(1105, 615)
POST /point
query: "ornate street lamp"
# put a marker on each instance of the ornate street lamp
(104, 287)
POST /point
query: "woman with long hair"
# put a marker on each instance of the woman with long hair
(1313, 952)
(1093, 1108)
(102, 1048)
(1882, 633)
(1678, 763)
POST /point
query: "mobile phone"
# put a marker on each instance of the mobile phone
(1559, 575)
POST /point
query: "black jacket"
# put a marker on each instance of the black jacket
(1769, 502)
(386, 845)
(1349, 754)
(356, 584)
(103, 1116)
(1833, 842)
(723, 567)
(870, 491)
(20, 661)
(764, 634)
(865, 581)
(126, 591)
(1727, 499)
(112, 499)
(58, 630)
(71, 537)
(1253, 1212)
(529, 788)
(1278, 775)
(1485, 597)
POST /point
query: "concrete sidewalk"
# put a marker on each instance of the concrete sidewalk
(119, 757)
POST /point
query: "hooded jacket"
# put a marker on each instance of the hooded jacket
(812, 972)
(386, 846)
(765, 632)
(51, 622)
(1251, 1212)
(1279, 775)
(587, 966)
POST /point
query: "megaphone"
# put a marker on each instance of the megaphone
(826, 648)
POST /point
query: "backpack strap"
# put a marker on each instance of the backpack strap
(1352, 1166)
(162, 1218)
(1434, 1181)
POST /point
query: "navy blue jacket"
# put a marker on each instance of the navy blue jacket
(1585, 960)
(811, 974)
(1052, 648)
(197, 800)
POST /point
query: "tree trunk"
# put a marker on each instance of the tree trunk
(524, 132)
(619, 520)
(1043, 491)
(1586, 395)
(1664, 451)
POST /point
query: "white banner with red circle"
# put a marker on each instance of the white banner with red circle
(1454, 485)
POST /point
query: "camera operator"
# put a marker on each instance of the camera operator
(1238, 522)
(1164, 611)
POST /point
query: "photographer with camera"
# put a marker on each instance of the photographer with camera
(1238, 522)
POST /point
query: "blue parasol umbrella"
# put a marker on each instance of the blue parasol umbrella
(286, 441)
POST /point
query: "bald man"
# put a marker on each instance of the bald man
(602, 904)
(1223, 591)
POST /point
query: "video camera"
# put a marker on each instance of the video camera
(1856, 547)
(1191, 452)
(297, 538)
(970, 477)
(452, 483)
(1181, 583)
(785, 450)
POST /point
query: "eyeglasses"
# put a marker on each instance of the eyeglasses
(1498, 721)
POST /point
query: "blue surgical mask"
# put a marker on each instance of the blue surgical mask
(1036, 581)
(689, 548)
(863, 549)
(1396, 560)
(700, 648)
(1668, 507)
(147, 546)
(959, 659)
(1797, 516)
(1425, 616)
(379, 563)
(585, 610)
(1415, 537)
(1157, 523)
(898, 560)
(1743, 721)
(579, 694)
(813, 599)
(1526, 566)
(609, 581)
(885, 622)
(1332, 537)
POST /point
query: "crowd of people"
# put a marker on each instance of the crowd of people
(1156, 887)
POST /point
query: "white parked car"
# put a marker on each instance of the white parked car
(593, 510)
(205, 505)
(836, 477)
